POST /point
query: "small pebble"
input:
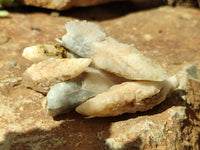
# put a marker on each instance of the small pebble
(148, 37)
(11, 63)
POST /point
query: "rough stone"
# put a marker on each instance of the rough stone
(128, 97)
(174, 44)
(63, 4)
(45, 74)
(146, 132)
(66, 4)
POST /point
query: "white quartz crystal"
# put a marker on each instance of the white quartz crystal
(80, 35)
(128, 97)
(126, 61)
(45, 74)
(64, 97)
(99, 81)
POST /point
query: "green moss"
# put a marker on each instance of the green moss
(58, 51)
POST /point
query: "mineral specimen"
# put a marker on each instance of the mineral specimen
(120, 79)
(65, 96)
(125, 61)
(99, 81)
(128, 97)
(89, 40)
(80, 36)
(39, 53)
(45, 74)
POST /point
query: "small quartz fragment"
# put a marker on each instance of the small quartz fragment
(128, 97)
(89, 40)
(39, 53)
(80, 36)
(99, 81)
(64, 97)
(125, 61)
(45, 74)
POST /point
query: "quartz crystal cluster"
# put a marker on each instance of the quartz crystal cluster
(95, 74)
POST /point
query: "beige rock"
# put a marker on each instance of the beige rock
(189, 76)
(125, 61)
(66, 4)
(39, 53)
(128, 97)
(63, 4)
(141, 132)
(99, 81)
(188, 72)
(43, 75)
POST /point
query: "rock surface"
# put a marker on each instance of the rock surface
(43, 75)
(66, 4)
(63, 4)
(170, 37)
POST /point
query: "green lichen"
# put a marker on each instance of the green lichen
(58, 51)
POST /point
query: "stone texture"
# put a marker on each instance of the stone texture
(39, 53)
(150, 132)
(174, 43)
(182, 2)
(63, 4)
(43, 75)
(128, 97)
(66, 4)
